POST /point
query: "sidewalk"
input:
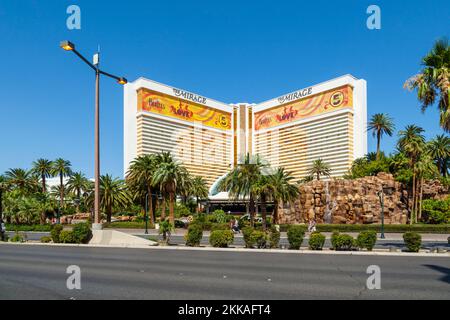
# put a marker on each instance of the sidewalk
(388, 236)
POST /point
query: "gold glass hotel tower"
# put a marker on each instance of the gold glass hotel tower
(326, 121)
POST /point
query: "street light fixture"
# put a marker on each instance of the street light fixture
(69, 46)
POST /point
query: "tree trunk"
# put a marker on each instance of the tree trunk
(252, 211)
(171, 211)
(61, 192)
(318, 176)
(163, 208)
(411, 220)
(275, 212)
(378, 145)
(108, 214)
(44, 188)
(263, 211)
(150, 204)
(420, 198)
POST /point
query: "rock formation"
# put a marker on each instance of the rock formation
(354, 201)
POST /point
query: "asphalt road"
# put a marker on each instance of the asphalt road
(239, 241)
(39, 272)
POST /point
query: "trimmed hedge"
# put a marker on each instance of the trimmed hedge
(46, 239)
(316, 241)
(388, 228)
(274, 238)
(247, 235)
(413, 241)
(259, 238)
(221, 238)
(295, 236)
(56, 232)
(127, 225)
(82, 232)
(367, 240)
(66, 236)
(342, 242)
(24, 227)
(194, 235)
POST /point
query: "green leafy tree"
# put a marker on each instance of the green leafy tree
(380, 124)
(43, 168)
(439, 150)
(319, 168)
(21, 179)
(140, 180)
(61, 168)
(433, 82)
(78, 184)
(284, 190)
(199, 190)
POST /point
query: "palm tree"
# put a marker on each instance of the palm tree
(439, 150)
(199, 190)
(169, 176)
(240, 182)
(263, 190)
(433, 82)
(77, 184)
(424, 168)
(21, 179)
(113, 195)
(44, 169)
(283, 189)
(318, 168)
(412, 144)
(4, 186)
(380, 124)
(61, 168)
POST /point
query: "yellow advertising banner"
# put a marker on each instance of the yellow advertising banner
(321, 103)
(159, 103)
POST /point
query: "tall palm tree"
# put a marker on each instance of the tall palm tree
(140, 179)
(169, 176)
(113, 195)
(21, 179)
(380, 124)
(412, 143)
(439, 150)
(319, 168)
(433, 82)
(284, 190)
(4, 186)
(263, 190)
(199, 190)
(44, 169)
(423, 168)
(240, 182)
(61, 168)
(77, 184)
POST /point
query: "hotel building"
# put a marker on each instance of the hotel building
(326, 121)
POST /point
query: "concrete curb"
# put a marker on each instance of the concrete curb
(210, 249)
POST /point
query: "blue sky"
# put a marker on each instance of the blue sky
(232, 51)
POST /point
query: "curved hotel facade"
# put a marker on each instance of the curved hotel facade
(325, 121)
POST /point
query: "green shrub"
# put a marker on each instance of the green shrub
(220, 216)
(247, 234)
(342, 242)
(316, 241)
(66, 236)
(17, 238)
(259, 238)
(26, 227)
(413, 241)
(274, 238)
(82, 232)
(219, 226)
(46, 239)
(366, 240)
(221, 238)
(436, 211)
(55, 232)
(295, 236)
(181, 210)
(194, 235)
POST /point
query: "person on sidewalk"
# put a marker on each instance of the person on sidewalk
(312, 225)
(2, 230)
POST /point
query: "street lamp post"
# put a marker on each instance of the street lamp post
(381, 196)
(68, 46)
